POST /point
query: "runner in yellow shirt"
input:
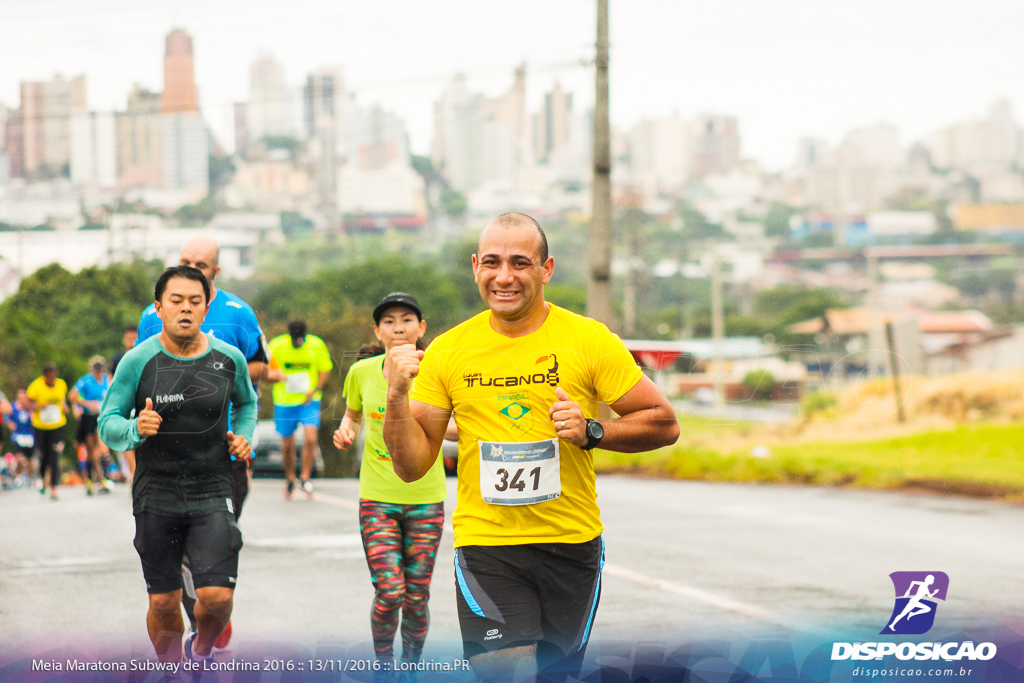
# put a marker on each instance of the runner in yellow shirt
(48, 396)
(306, 364)
(523, 381)
(400, 522)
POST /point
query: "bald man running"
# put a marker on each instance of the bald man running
(523, 380)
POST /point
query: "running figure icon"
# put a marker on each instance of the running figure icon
(915, 606)
(917, 595)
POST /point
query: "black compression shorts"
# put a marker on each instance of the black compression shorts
(211, 540)
(544, 593)
(87, 425)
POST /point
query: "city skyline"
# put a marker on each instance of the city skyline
(801, 69)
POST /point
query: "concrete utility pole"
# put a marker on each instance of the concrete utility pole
(599, 289)
(718, 330)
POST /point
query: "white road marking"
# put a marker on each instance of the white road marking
(693, 593)
(308, 541)
(61, 562)
(341, 502)
(332, 500)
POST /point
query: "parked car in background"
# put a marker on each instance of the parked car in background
(267, 460)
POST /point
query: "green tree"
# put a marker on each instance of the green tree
(818, 240)
(294, 223)
(425, 167)
(285, 142)
(786, 305)
(696, 225)
(200, 213)
(222, 170)
(453, 203)
(567, 296)
(67, 317)
(760, 384)
(776, 220)
(973, 285)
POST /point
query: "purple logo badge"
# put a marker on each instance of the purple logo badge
(916, 593)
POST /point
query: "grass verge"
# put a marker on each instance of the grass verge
(975, 460)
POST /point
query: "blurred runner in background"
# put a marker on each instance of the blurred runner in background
(48, 398)
(86, 397)
(306, 364)
(19, 421)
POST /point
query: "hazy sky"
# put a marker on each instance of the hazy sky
(786, 68)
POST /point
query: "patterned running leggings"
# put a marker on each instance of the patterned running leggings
(401, 545)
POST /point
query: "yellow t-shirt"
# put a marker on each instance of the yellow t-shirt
(49, 413)
(302, 367)
(519, 483)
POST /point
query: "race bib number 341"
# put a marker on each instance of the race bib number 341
(519, 473)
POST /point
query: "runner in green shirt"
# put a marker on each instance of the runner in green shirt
(306, 364)
(400, 522)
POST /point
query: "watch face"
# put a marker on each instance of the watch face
(595, 430)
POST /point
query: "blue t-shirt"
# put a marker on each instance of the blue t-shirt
(91, 390)
(22, 419)
(230, 319)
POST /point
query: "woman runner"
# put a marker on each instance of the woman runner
(400, 522)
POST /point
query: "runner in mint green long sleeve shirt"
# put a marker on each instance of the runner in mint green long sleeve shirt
(182, 384)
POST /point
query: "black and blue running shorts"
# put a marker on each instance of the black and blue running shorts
(543, 593)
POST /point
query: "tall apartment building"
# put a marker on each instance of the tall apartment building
(140, 140)
(94, 149)
(179, 95)
(7, 116)
(46, 111)
(271, 107)
(241, 121)
(507, 133)
(184, 141)
(858, 174)
(992, 140)
(186, 150)
(715, 144)
(458, 145)
(326, 106)
(659, 155)
(377, 138)
(14, 144)
(551, 124)
(378, 178)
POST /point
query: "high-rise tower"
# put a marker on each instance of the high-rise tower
(179, 94)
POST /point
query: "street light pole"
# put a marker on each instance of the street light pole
(599, 289)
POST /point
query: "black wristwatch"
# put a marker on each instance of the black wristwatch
(595, 432)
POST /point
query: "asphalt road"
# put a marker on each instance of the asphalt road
(684, 560)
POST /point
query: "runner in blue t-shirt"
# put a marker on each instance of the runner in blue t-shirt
(233, 321)
(19, 421)
(86, 397)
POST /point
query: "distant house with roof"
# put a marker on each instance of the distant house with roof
(720, 365)
(928, 342)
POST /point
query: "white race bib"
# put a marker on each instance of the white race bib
(25, 440)
(520, 473)
(50, 414)
(297, 382)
